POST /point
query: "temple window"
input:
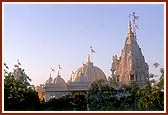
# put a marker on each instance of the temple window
(118, 78)
(131, 77)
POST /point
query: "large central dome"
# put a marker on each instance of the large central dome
(89, 71)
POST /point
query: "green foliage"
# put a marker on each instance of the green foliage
(160, 84)
(19, 95)
(151, 99)
(65, 103)
(156, 64)
(61, 104)
(107, 96)
(100, 94)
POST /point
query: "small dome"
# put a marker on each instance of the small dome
(59, 81)
(49, 80)
(90, 72)
(58, 84)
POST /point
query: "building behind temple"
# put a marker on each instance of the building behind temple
(129, 67)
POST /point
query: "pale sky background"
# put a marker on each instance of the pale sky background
(43, 36)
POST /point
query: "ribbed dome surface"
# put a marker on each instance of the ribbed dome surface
(89, 71)
(59, 81)
(81, 78)
(49, 80)
(57, 84)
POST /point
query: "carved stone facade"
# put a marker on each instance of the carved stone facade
(131, 65)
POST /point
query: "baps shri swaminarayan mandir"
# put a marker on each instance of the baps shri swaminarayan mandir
(127, 68)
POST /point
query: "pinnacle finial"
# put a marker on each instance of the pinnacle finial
(129, 24)
(88, 58)
(58, 72)
(129, 16)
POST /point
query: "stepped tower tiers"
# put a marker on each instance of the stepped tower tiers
(131, 66)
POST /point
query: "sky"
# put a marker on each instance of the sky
(42, 36)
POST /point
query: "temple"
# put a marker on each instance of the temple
(76, 87)
(128, 68)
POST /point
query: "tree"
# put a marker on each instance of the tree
(62, 104)
(160, 84)
(107, 96)
(18, 93)
(150, 99)
(101, 96)
(156, 64)
(152, 95)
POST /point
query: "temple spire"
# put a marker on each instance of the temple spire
(88, 61)
(58, 72)
(91, 51)
(88, 58)
(135, 26)
(131, 66)
(129, 24)
(50, 75)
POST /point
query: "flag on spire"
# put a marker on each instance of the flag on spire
(136, 17)
(18, 62)
(93, 51)
(84, 64)
(52, 69)
(136, 26)
(59, 67)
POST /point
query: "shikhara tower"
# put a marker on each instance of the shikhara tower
(131, 65)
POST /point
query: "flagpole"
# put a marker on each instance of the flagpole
(91, 56)
(52, 70)
(134, 25)
(59, 68)
(91, 53)
(134, 22)
(58, 71)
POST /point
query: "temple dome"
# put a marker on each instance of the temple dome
(88, 71)
(58, 84)
(49, 81)
(59, 81)
(81, 78)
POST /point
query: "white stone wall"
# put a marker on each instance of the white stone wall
(55, 94)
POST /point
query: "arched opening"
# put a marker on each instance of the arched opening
(80, 100)
(132, 77)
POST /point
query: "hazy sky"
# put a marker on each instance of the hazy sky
(46, 35)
